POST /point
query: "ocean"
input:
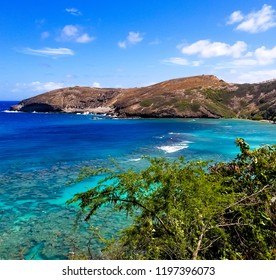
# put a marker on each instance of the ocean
(41, 153)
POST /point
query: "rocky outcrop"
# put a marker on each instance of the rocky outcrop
(199, 96)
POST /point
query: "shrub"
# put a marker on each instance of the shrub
(192, 210)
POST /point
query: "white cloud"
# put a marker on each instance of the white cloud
(74, 33)
(254, 22)
(122, 44)
(181, 61)
(265, 56)
(69, 31)
(84, 38)
(73, 11)
(208, 49)
(96, 85)
(176, 60)
(196, 63)
(256, 76)
(261, 56)
(37, 87)
(235, 17)
(53, 52)
(244, 62)
(133, 38)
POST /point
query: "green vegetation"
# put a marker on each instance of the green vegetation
(218, 102)
(195, 106)
(146, 103)
(191, 210)
(183, 105)
(218, 95)
(270, 113)
(257, 117)
(220, 109)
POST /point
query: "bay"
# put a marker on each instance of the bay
(41, 153)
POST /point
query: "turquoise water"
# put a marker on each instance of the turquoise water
(41, 153)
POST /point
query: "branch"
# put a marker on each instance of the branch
(232, 224)
(245, 198)
(195, 253)
(240, 238)
(144, 207)
(211, 243)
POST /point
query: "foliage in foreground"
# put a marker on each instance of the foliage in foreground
(189, 210)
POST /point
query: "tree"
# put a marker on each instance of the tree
(192, 210)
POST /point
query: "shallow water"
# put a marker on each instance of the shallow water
(41, 153)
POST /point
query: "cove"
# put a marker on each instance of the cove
(41, 153)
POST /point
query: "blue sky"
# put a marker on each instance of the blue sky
(50, 44)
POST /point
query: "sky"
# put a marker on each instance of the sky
(45, 45)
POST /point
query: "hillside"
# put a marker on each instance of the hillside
(198, 96)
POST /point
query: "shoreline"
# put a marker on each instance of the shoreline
(110, 116)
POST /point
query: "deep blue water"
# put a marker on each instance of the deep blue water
(41, 153)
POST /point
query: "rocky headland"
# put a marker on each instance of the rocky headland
(203, 96)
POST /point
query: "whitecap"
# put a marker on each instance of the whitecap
(175, 133)
(173, 148)
(8, 111)
(96, 118)
(134, 159)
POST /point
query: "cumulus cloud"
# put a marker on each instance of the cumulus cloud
(133, 38)
(84, 38)
(52, 52)
(261, 56)
(256, 76)
(74, 33)
(69, 31)
(254, 22)
(73, 11)
(235, 17)
(37, 87)
(208, 49)
(265, 56)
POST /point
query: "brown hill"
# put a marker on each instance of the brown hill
(199, 96)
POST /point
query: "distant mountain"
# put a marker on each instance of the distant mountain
(198, 96)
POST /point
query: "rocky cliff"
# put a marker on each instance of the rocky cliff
(199, 96)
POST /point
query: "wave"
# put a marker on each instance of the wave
(174, 148)
(134, 159)
(176, 133)
(184, 134)
(13, 112)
